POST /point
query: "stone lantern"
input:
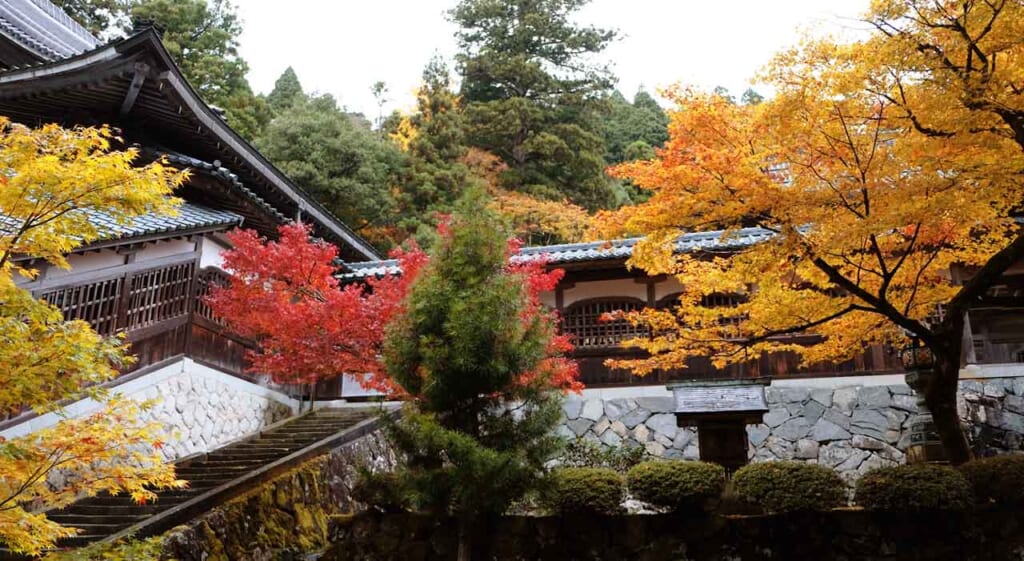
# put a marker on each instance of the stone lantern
(721, 411)
(925, 445)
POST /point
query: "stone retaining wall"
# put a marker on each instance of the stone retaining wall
(851, 429)
(203, 412)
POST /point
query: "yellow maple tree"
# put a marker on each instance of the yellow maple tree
(879, 171)
(51, 180)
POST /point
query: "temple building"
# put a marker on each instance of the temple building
(146, 278)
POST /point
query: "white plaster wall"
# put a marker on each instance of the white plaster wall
(164, 248)
(88, 262)
(200, 407)
(212, 253)
(601, 289)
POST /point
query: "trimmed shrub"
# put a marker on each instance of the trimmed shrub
(677, 484)
(789, 486)
(382, 491)
(998, 480)
(587, 490)
(914, 487)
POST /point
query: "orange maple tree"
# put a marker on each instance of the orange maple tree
(880, 170)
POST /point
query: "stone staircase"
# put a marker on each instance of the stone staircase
(213, 477)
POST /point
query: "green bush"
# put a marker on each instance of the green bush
(588, 490)
(586, 453)
(998, 480)
(677, 484)
(789, 486)
(383, 491)
(914, 487)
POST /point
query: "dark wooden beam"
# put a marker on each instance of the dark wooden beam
(141, 70)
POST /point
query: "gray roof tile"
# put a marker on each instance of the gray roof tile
(718, 240)
(190, 217)
(44, 29)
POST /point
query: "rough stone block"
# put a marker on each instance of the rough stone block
(691, 452)
(812, 411)
(601, 426)
(806, 449)
(616, 408)
(682, 439)
(635, 417)
(571, 408)
(793, 429)
(866, 442)
(835, 416)
(874, 397)
(834, 453)
(592, 409)
(845, 400)
(618, 428)
(827, 431)
(782, 449)
(655, 449)
(822, 396)
(641, 434)
(579, 426)
(656, 404)
(775, 417)
(611, 438)
(1014, 404)
(869, 422)
(900, 389)
(994, 389)
(757, 434)
(794, 395)
(663, 423)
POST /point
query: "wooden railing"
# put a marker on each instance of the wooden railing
(130, 301)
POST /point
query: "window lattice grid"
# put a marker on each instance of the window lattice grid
(96, 303)
(583, 321)
(206, 280)
(159, 294)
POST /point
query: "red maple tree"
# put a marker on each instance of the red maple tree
(284, 295)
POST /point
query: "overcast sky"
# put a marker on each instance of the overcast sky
(343, 46)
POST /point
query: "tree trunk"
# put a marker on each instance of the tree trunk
(940, 396)
(465, 540)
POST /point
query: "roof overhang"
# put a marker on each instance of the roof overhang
(133, 84)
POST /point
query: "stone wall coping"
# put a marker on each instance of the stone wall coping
(139, 385)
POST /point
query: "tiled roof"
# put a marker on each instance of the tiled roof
(44, 29)
(190, 217)
(623, 249)
(719, 240)
(217, 170)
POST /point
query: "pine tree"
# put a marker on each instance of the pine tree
(531, 98)
(287, 91)
(474, 340)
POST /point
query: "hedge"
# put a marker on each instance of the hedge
(586, 490)
(913, 488)
(789, 486)
(996, 481)
(677, 484)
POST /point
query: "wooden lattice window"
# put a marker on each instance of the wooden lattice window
(715, 300)
(97, 303)
(208, 278)
(159, 294)
(583, 320)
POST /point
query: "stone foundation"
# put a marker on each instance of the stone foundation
(851, 429)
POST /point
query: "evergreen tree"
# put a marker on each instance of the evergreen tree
(337, 159)
(435, 142)
(474, 340)
(202, 37)
(287, 91)
(532, 99)
(633, 130)
(100, 17)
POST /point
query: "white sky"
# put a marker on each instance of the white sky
(343, 46)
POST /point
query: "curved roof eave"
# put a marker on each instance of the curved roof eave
(149, 40)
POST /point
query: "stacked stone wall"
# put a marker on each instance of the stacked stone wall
(201, 411)
(851, 429)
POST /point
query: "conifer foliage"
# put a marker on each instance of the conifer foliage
(478, 355)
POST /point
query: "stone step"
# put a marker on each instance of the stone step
(77, 520)
(113, 510)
